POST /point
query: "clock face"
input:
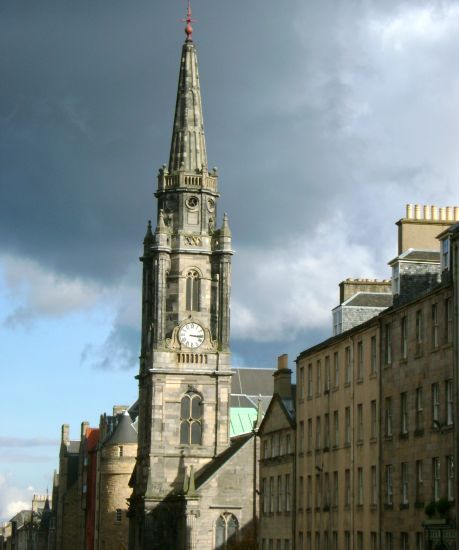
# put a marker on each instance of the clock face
(191, 335)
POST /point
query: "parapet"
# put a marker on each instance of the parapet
(429, 212)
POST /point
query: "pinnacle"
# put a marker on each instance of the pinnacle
(149, 234)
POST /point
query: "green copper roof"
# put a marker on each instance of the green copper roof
(241, 420)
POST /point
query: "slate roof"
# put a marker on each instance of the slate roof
(123, 433)
(370, 299)
(422, 255)
(207, 471)
(73, 447)
(249, 381)
(414, 255)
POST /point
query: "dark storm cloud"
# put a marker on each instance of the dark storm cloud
(86, 111)
(323, 118)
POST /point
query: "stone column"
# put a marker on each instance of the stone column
(191, 530)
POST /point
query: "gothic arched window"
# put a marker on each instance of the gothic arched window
(192, 290)
(226, 529)
(191, 419)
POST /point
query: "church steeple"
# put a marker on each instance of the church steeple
(188, 147)
(185, 363)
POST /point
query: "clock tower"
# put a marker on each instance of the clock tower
(185, 364)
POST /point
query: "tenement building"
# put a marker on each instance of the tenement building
(277, 464)
(376, 408)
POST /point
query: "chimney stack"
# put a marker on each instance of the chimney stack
(283, 378)
(65, 433)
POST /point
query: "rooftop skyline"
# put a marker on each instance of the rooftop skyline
(324, 121)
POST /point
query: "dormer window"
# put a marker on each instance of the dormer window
(337, 321)
(396, 279)
(445, 244)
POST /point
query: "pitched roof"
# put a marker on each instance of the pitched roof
(207, 471)
(286, 405)
(241, 420)
(249, 381)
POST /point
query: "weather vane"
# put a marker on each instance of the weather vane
(188, 21)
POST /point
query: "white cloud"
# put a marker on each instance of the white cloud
(288, 289)
(39, 292)
(13, 499)
(16, 506)
(416, 23)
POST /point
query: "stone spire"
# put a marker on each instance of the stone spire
(188, 147)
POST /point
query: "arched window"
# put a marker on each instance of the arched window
(191, 419)
(226, 528)
(192, 290)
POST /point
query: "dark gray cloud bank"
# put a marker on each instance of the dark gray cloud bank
(324, 119)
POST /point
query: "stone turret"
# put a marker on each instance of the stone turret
(116, 463)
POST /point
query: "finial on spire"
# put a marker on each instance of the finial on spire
(188, 21)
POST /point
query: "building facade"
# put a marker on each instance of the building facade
(377, 407)
(277, 464)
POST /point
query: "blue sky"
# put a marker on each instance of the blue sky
(324, 120)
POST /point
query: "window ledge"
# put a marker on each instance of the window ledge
(388, 506)
(404, 506)
(373, 439)
(359, 381)
(419, 504)
(359, 442)
(347, 384)
(388, 438)
(403, 435)
(373, 507)
(373, 375)
(419, 432)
